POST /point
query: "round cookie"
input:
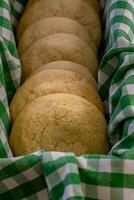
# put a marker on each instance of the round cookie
(78, 10)
(68, 66)
(51, 82)
(59, 122)
(50, 26)
(58, 47)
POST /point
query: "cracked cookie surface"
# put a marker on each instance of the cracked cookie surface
(59, 122)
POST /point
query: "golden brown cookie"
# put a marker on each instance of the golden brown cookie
(78, 10)
(58, 47)
(50, 26)
(50, 82)
(68, 66)
(59, 122)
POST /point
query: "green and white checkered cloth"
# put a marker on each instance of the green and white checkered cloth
(63, 176)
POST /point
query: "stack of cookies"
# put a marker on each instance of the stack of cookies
(57, 107)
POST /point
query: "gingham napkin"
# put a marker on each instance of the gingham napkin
(56, 175)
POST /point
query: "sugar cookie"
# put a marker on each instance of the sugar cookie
(55, 123)
(50, 26)
(58, 47)
(78, 10)
(51, 82)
